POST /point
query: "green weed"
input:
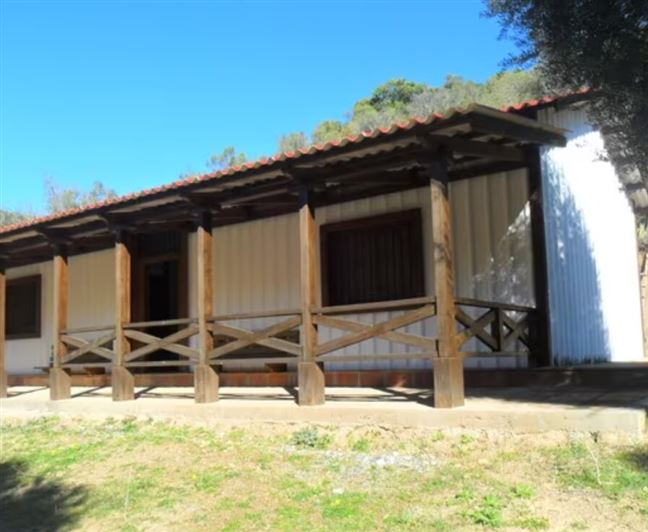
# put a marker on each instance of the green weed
(310, 438)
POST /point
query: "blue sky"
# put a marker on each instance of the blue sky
(136, 93)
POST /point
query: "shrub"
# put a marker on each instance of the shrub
(310, 438)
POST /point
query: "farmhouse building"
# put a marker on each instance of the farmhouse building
(481, 238)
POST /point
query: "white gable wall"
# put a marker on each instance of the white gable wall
(591, 248)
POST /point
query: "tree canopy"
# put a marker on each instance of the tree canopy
(59, 199)
(400, 99)
(599, 44)
(62, 199)
(12, 217)
(228, 157)
(293, 141)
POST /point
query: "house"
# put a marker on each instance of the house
(481, 238)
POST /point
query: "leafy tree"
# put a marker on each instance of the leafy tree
(500, 90)
(455, 92)
(366, 117)
(595, 43)
(293, 142)
(330, 130)
(62, 199)
(226, 159)
(513, 86)
(400, 99)
(395, 94)
(12, 217)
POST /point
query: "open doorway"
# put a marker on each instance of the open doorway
(161, 294)
(160, 287)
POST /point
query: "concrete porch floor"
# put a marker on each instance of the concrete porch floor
(519, 410)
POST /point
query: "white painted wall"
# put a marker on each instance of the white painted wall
(591, 247)
(23, 356)
(91, 302)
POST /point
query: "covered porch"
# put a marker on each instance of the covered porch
(164, 236)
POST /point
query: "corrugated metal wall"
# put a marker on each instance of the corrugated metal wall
(92, 290)
(257, 263)
(591, 247)
(257, 267)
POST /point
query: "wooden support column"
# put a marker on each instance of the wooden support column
(3, 299)
(541, 354)
(448, 365)
(206, 382)
(310, 374)
(123, 383)
(59, 379)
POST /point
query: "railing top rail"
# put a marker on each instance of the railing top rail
(259, 314)
(160, 323)
(375, 307)
(492, 304)
(88, 329)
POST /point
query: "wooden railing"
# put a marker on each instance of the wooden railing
(231, 340)
(170, 343)
(504, 329)
(79, 347)
(415, 310)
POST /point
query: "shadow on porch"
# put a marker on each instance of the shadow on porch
(579, 396)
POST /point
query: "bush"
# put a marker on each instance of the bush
(310, 438)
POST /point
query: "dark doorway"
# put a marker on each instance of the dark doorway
(160, 287)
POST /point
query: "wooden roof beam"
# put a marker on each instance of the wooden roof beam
(464, 146)
(489, 121)
(55, 237)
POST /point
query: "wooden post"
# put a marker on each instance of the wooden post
(310, 377)
(206, 382)
(3, 299)
(541, 352)
(123, 383)
(448, 366)
(643, 284)
(59, 379)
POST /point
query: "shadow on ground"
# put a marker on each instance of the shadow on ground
(565, 395)
(639, 458)
(13, 393)
(36, 504)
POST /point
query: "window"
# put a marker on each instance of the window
(23, 308)
(372, 259)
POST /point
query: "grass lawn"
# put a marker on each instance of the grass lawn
(136, 475)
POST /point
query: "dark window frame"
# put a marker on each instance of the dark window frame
(36, 331)
(412, 217)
